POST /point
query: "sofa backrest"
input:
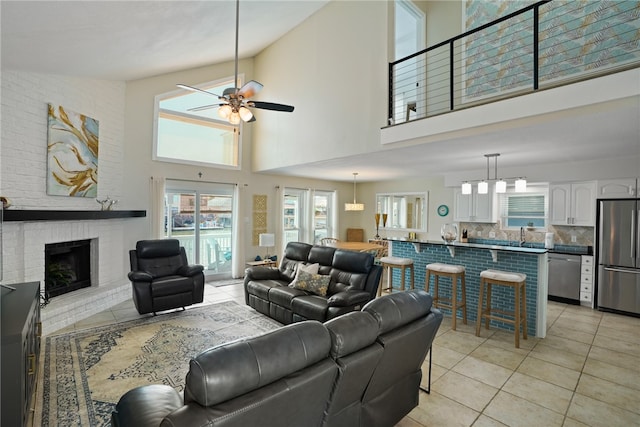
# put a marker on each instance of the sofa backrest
(229, 370)
(283, 376)
(322, 255)
(349, 271)
(162, 257)
(408, 325)
(294, 254)
(356, 352)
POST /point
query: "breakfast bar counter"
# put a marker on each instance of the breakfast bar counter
(476, 257)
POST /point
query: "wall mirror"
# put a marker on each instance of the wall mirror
(405, 211)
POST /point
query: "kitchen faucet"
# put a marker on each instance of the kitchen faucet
(521, 236)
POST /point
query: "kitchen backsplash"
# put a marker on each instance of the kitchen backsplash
(584, 236)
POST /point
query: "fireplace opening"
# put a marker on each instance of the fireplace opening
(67, 267)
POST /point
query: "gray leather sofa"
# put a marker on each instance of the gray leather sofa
(360, 369)
(354, 280)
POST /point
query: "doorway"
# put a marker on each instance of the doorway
(200, 215)
(409, 38)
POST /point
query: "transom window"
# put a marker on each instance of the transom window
(195, 137)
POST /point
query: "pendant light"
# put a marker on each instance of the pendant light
(355, 206)
(500, 183)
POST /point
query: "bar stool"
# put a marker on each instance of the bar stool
(517, 281)
(389, 262)
(453, 272)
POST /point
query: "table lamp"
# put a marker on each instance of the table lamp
(266, 240)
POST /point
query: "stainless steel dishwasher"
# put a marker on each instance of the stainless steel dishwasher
(564, 277)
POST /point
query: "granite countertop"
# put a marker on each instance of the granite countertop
(523, 249)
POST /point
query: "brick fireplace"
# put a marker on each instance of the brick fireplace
(24, 243)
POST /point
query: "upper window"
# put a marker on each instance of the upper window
(195, 137)
(524, 209)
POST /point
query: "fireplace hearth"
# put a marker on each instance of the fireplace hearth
(67, 267)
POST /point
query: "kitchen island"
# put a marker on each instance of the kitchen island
(476, 257)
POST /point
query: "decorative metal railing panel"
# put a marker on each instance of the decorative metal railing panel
(545, 44)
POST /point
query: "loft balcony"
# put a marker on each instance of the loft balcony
(547, 45)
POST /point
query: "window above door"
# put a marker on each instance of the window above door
(194, 137)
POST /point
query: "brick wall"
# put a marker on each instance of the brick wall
(23, 156)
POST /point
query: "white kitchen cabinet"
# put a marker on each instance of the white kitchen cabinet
(573, 203)
(474, 207)
(624, 188)
(586, 280)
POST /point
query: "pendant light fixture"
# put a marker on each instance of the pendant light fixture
(501, 184)
(355, 206)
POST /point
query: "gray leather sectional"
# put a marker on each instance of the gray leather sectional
(359, 369)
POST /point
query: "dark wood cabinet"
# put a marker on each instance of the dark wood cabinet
(21, 334)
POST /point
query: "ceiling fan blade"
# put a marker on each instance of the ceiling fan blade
(204, 107)
(250, 89)
(195, 89)
(271, 106)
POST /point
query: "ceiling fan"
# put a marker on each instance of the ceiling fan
(234, 103)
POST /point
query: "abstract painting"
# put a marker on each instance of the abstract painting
(72, 154)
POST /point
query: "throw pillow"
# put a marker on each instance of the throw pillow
(315, 283)
(307, 268)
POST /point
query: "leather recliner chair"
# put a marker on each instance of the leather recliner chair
(161, 277)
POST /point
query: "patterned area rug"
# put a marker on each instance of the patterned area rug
(225, 282)
(84, 373)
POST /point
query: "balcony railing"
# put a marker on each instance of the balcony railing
(546, 44)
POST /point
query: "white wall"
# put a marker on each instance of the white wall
(333, 69)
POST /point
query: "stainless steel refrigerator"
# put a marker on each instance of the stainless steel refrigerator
(619, 255)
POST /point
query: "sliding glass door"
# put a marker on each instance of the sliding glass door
(200, 215)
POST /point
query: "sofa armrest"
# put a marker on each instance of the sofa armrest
(190, 270)
(140, 276)
(262, 273)
(145, 406)
(348, 298)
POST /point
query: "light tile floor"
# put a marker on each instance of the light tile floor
(586, 372)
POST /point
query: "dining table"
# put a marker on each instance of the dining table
(355, 246)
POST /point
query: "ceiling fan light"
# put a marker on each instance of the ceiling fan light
(483, 187)
(245, 114)
(224, 111)
(521, 185)
(501, 186)
(466, 188)
(234, 118)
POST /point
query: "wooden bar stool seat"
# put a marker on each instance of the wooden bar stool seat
(453, 272)
(518, 317)
(390, 262)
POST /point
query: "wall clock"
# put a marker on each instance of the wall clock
(443, 210)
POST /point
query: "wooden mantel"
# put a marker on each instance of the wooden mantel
(60, 215)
